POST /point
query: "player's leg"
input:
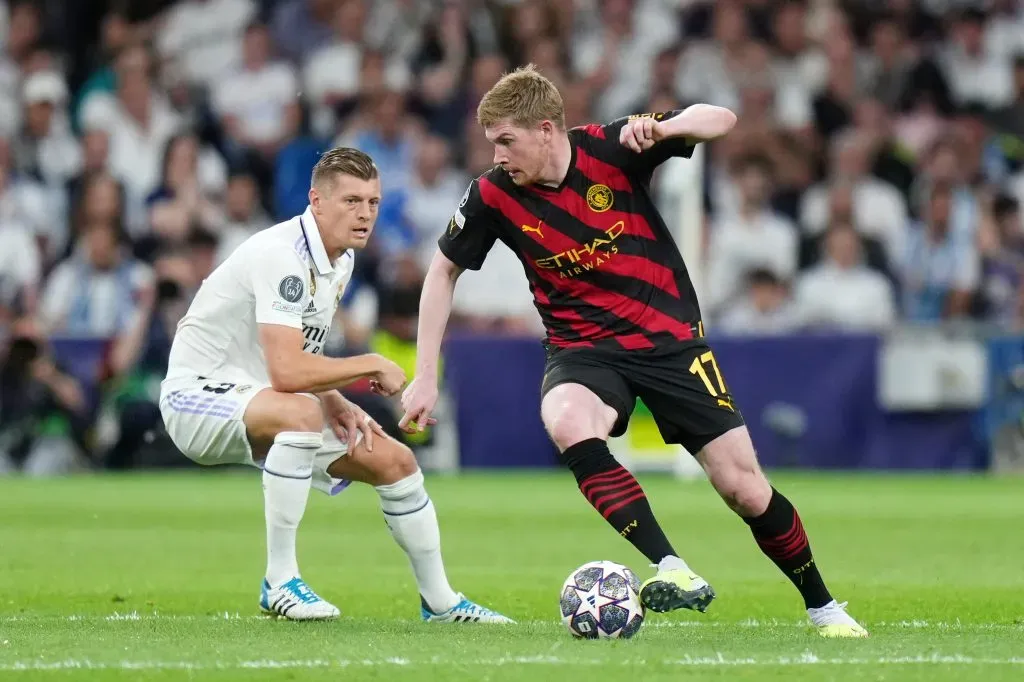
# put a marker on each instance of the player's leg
(284, 432)
(732, 467)
(412, 520)
(580, 421)
(691, 403)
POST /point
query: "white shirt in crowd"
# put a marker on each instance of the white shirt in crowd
(281, 275)
(854, 299)
(879, 211)
(259, 99)
(205, 37)
(19, 259)
(136, 153)
(737, 246)
(81, 301)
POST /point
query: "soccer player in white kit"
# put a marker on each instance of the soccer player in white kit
(247, 382)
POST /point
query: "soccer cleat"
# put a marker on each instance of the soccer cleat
(463, 612)
(834, 622)
(676, 589)
(295, 600)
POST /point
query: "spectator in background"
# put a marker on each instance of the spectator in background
(303, 26)
(388, 133)
(755, 237)
(257, 105)
(96, 292)
(764, 309)
(842, 292)
(974, 74)
(138, 363)
(46, 149)
(939, 267)
(435, 188)
(100, 199)
(24, 202)
(139, 122)
(44, 412)
(331, 74)
(190, 182)
(878, 209)
(204, 37)
(1001, 246)
(244, 215)
(20, 270)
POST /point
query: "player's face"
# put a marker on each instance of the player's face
(521, 152)
(346, 209)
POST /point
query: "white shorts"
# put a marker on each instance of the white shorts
(204, 419)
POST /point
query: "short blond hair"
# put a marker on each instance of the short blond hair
(524, 97)
(343, 161)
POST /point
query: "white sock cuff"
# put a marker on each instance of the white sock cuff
(292, 455)
(300, 439)
(405, 496)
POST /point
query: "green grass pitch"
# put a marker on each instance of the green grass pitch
(155, 577)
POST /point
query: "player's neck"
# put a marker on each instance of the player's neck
(558, 163)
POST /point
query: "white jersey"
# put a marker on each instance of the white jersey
(281, 275)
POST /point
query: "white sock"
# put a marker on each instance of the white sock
(287, 474)
(674, 563)
(412, 521)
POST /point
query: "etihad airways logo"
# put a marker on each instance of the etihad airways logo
(589, 256)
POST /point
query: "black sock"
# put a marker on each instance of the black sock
(780, 535)
(617, 496)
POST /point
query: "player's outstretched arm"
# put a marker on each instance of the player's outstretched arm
(419, 399)
(293, 371)
(696, 123)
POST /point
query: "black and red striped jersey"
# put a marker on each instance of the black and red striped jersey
(603, 267)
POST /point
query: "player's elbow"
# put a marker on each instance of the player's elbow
(282, 379)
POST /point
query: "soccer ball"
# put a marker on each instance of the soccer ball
(601, 600)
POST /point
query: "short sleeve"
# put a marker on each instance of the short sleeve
(280, 287)
(470, 233)
(646, 161)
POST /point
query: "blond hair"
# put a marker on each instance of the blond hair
(343, 161)
(524, 97)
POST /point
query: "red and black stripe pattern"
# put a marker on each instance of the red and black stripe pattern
(780, 535)
(602, 265)
(610, 491)
(788, 545)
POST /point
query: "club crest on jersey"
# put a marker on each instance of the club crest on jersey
(600, 198)
(290, 288)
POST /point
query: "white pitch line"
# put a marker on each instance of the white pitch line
(697, 624)
(717, 660)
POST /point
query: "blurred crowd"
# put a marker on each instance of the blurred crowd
(875, 175)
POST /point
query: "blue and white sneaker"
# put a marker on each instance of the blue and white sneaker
(295, 600)
(463, 612)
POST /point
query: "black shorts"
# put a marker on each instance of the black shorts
(682, 386)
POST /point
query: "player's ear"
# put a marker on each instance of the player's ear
(314, 198)
(547, 130)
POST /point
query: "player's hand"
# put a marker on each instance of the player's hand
(389, 379)
(347, 419)
(418, 401)
(640, 134)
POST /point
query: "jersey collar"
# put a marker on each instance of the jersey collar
(314, 243)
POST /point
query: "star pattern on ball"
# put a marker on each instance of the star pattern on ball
(592, 600)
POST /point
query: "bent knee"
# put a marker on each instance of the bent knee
(746, 492)
(389, 462)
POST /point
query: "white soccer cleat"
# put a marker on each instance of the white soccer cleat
(463, 612)
(295, 600)
(834, 622)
